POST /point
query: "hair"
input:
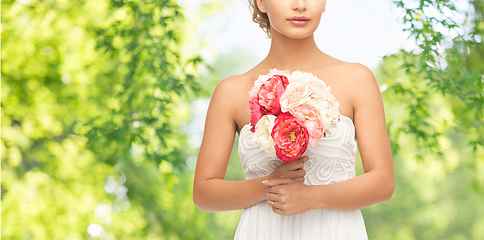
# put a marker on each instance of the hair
(260, 18)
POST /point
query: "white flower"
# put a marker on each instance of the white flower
(274, 71)
(320, 90)
(296, 93)
(302, 77)
(263, 130)
(329, 111)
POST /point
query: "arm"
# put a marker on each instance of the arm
(211, 192)
(374, 186)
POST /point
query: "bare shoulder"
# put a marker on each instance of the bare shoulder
(347, 73)
(349, 82)
(356, 73)
(232, 97)
(358, 79)
(230, 89)
(364, 94)
(228, 86)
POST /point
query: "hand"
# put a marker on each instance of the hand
(290, 170)
(287, 196)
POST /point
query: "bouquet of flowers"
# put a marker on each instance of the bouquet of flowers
(291, 112)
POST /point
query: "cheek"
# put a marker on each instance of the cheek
(318, 7)
(277, 8)
(273, 14)
(274, 20)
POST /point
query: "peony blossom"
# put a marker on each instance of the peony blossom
(263, 78)
(302, 77)
(328, 112)
(265, 97)
(263, 133)
(290, 136)
(296, 94)
(270, 92)
(319, 90)
(274, 71)
(255, 90)
(256, 113)
(309, 115)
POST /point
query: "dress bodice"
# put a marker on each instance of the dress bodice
(332, 160)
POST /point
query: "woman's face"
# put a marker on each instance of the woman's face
(296, 19)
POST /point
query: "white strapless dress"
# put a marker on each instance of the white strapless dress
(332, 160)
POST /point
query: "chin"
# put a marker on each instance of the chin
(300, 36)
(296, 33)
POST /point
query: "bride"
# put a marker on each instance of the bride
(318, 195)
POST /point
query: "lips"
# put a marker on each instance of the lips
(298, 20)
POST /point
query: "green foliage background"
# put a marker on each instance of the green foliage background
(95, 96)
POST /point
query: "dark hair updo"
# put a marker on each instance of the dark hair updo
(259, 17)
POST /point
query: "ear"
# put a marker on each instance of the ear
(324, 7)
(261, 6)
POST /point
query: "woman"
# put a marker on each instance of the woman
(316, 196)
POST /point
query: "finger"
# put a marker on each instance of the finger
(304, 159)
(272, 197)
(273, 190)
(280, 209)
(276, 181)
(299, 179)
(280, 212)
(294, 174)
(298, 173)
(270, 203)
(300, 161)
(276, 209)
(294, 165)
(274, 205)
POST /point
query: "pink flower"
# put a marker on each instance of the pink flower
(309, 115)
(291, 137)
(256, 113)
(270, 93)
(265, 98)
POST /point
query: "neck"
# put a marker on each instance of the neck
(292, 54)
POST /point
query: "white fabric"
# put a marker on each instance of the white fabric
(332, 160)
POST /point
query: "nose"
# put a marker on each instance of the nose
(299, 5)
